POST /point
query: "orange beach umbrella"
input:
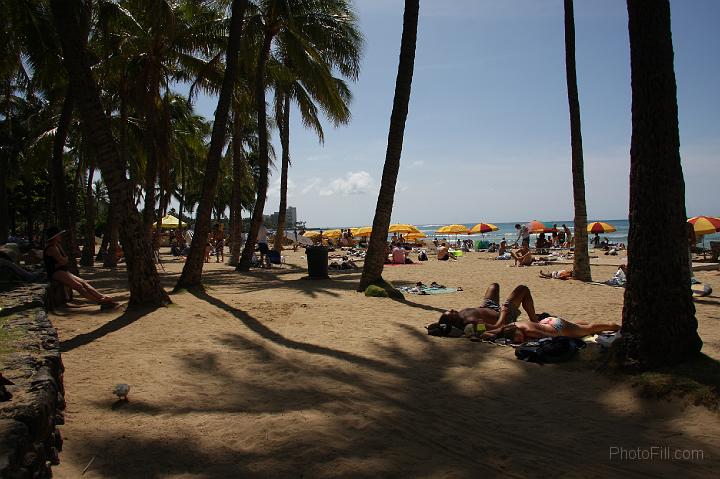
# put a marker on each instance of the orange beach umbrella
(536, 227)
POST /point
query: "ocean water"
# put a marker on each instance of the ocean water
(508, 231)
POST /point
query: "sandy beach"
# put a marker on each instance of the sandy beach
(269, 374)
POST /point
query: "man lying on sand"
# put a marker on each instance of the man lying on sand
(547, 327)
(490, 312)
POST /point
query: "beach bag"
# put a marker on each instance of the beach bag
(444, 330)
(549, 350)
(422, 256)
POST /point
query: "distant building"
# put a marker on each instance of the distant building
(271, 221)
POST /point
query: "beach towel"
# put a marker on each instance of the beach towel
(428, 289)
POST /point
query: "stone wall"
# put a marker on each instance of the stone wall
(30, 358)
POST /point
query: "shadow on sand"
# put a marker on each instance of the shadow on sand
(412, 406)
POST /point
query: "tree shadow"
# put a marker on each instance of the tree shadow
(125, 319)
(401, 404)
(430, 409)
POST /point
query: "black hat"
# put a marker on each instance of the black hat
(52, 232)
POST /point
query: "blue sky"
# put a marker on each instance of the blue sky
(487, 136)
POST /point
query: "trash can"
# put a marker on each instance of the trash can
(317, 259)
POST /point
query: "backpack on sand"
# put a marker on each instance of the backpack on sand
(549, 350)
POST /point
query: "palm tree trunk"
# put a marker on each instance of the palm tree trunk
(192, 271)
(4, 173)
(581, 256)
(59, 188)
(238, 177)
(659, 325)
(284, 130)
(145, 288)
(375, 257)
(182, 191)
(88, 251)
(113, 234)
(257, 216)
(4, 200)
(151, 166)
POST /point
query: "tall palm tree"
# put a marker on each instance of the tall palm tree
(315, 35)
(581, 258)
(191, 275)
(313, 89)
(145, 288)
(659, 325)
(375, 257)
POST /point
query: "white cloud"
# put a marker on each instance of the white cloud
(354, 183)
(311, 185)
(274, 188)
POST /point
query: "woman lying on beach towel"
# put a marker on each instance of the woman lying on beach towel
(548, 326)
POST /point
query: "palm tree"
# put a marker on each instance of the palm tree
(659, 325)
(375, 257)
(581, 258)
(316, 36)
(305, 86)
(145, 288)
(191, 275)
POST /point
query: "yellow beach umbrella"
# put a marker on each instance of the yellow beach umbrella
(363, 231)
(170, 222)
(332, 234)
(483, 228)
(454, 230)
(403, 228)
(311, 234)
(705, 225)
(414, 236)
(600, 227)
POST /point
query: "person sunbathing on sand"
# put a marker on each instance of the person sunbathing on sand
(443, 253)
(562, 274)
(547, 327)
(522, 257)
(490, 312)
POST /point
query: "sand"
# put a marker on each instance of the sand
(272, 375)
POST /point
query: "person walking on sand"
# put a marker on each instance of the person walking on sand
(56, 267)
